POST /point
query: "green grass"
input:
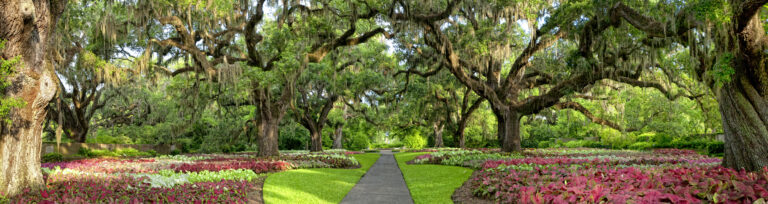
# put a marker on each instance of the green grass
(321, 185)
(431, 183)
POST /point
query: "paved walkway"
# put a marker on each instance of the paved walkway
(383, 183)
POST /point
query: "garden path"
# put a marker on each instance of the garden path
(383, 183)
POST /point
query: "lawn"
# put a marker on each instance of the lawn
(320, 185)
(431, 183)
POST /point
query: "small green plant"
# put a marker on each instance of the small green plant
(85, 152)
(52, 157)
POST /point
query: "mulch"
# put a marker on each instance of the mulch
(256, 193)
(464, 194)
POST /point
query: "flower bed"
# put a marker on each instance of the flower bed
(199, 178)
(585, 175)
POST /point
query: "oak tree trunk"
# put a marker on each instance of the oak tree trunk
(268, 137)
(80, 135)
(461, 139)
(317, 140)
(508, 130)
(438, 129)
(744, 99)
(745, 117)
(26, 25)
(338, 137)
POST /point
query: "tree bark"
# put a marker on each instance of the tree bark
(268, 133)
(80, 135)
(460, 133)
(317, 140)
(745, 114)
(338, 137)
(743, 100)
(508, 129)
(438, 128)
(26, 26)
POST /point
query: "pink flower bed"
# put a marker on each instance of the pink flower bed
(105, 165)
(664, 176)
(255, 166)
(126, 189)
(623, 185)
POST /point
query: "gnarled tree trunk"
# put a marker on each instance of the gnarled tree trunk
(459, 134)
(338, 137)
(269, 129)
(744, 100)
(317, 140)
(438, 128)
(745, 116)
(508, 129)
(26, 26)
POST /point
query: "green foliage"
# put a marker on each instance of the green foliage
(7, 70)
(357, 142)
(723, 69)
(387, 146)
(126, 152)
(584, 143)
(52, 157)
(641, 146)
(716, 11)
(716, 148)
(293, 136)
(104, 136)
(85, 152)
(414, 140)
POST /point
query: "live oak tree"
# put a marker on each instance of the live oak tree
(461, 103)
(274, 52)
(457, 102)
(726, 43)
(84, 51)
(503, 51)
(337, 77)
(26, 27)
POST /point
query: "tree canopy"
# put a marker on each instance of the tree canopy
(268, 75)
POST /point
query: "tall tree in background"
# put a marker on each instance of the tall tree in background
(26, 27)
(83, 50)
(460, 108)
(475, 41)
(324, 83)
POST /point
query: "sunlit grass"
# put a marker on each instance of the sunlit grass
(321, 185)
(431, 183)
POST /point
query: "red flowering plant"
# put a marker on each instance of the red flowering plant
(72, 188)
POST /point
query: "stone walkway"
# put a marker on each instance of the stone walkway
(383, 183)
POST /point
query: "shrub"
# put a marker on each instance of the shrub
(545, 144)
(641, 146)
(414, 141)
(85, 152)
(131, 152)
(175, 152)
(52, 157)
(584, 143)
(357, 142)
(716, 148)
